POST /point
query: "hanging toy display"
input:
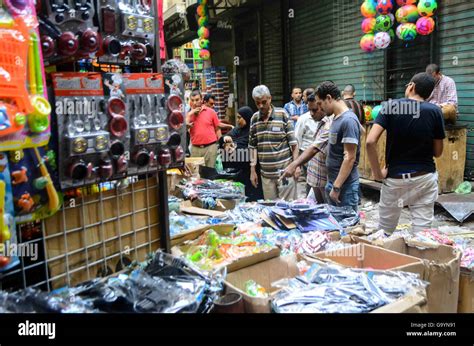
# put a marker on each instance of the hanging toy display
(383, 23)
(367, 43)
(203, 31)
(413, 17)
(368, 113)
(407, 14)
(406, 31)
(368, 9)
(384, 6)
(375, 112)
(406, 2)
(382, 40)
(368, 25)
(427, 8)
(425, 25)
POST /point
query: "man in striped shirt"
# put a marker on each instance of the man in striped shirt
(316, 152)
(273, 144)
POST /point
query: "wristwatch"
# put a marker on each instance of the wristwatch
(336, 189)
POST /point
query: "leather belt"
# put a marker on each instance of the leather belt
(205, 145)
(409, 175)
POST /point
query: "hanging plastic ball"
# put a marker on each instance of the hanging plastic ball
(391, 32)
(368, 9)
(406, 2)
(427, 8)
(383, 23)
(201, 11)
(384, 6)
(203, 32)
(376, 111)
(382, 40)
(406, 31)
(407, 14)
(204, 43)
(204, 54)
(368, 113)
(203, 21)
(367, 43)
(425, 25)
(392, 17)
(368, 25)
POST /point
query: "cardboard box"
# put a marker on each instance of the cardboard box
(179, 247)
(264, 273)
(366, 256)
(466, 292)
(441, 270)
(268, 272)
(409, 304)
(193, 163)
(192, 234)
(189, 207)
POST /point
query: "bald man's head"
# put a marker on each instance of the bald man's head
(348, 92)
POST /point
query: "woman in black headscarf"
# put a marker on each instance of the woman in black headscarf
(237, 154)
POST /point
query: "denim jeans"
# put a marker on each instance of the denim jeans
(349, 195)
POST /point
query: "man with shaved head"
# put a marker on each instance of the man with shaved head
(348, 94)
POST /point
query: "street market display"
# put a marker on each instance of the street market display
(333, 289)
(378, 25)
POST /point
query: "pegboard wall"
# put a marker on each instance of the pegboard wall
(92, 236)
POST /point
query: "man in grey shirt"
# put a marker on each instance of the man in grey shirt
(342, 160)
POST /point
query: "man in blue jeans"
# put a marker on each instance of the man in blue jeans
(342, 159)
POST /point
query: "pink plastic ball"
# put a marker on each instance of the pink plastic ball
(204, 54)
(425, 25)
(367, 43)
(368, 25)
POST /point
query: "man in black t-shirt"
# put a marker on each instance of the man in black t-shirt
(415, 133)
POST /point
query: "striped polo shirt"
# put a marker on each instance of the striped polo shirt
(273, 140)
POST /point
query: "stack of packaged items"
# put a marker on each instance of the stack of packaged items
(335, 289)
(216, 82)
(309, 217)
(243, 213)
(209, 191)
(212, 251)
(164, 285)
(182, 223)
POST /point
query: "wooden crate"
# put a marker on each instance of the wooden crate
(450, 165)
(466, 292)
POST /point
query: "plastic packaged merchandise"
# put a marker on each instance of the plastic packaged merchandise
(255, 290)
(182, 223)
(335, 289)
(165, 284)
(242, 213)
(211, 250)
(208, 191)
